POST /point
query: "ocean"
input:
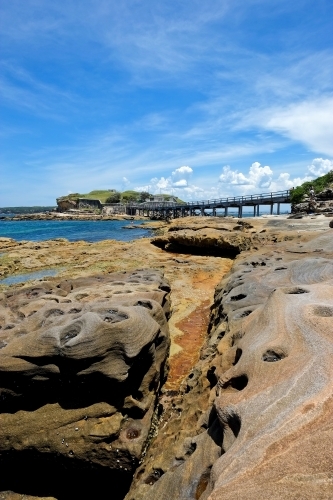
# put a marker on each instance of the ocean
(72, 230)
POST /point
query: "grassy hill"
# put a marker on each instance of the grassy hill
(319, 184)
(104, 194)
(98, 194)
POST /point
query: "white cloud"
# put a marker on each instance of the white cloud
(181, 183)
(258, 177)
(309, 122)
(183, 170)
(320, 167)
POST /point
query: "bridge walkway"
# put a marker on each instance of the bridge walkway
(171, 209)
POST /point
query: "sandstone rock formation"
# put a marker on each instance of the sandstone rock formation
(250, 420)
(81, 364)
(66, 204)
(253, 419)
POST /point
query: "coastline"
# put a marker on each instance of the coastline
(202, 283)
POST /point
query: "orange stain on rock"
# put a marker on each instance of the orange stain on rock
(194, 328)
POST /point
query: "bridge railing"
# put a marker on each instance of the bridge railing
(220, 201)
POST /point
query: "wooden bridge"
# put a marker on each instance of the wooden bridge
(165, 210)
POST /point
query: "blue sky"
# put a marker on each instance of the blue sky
(196, 99)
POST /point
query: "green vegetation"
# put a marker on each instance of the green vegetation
(97, 194)
(319, 184)
(114, 196)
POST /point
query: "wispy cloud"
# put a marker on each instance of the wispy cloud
(308, 122)
(109, 91)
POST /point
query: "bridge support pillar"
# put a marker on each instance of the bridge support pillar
(214, 212)
(226, 212)
(240, 211)
(202, 211)
(258, 210)
(272, 208)
(278, 209)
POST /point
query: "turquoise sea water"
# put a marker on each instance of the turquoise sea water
(39, 230)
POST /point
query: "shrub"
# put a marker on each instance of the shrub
(319, 184)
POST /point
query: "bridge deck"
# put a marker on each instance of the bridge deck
(237, 201)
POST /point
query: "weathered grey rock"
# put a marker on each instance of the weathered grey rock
(81, 364)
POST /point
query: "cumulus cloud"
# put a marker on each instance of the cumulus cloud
(179, 179)
(181, 176)
(178, 184)
(320, 167)
(185, 170)
(232, 182)
(258, 177)
(181, 183)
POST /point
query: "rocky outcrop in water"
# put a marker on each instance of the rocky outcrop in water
(64, 204)
(81, 365)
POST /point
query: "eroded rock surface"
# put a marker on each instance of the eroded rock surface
(81, 365)
(253, 419)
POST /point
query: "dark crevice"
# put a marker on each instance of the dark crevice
(211, 376)
(236, 383)
(295, 291)
(213, 251)
(202, 484)
(237, 356)
(238, 297)
(65, 478)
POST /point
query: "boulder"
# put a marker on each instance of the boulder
(81, 365)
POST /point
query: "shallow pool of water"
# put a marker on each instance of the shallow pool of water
(21, 278)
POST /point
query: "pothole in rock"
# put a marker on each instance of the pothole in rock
(114, 316)
(154, 476)
(238, 297)
(295, 291)
(238, 355)
(70, 333)
(144, 303)
(236, 383)
(272, 356)
(323, 311)
(54, 312)
(243, 314)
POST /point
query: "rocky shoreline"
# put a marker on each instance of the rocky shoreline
(197, 360)
(74, 215)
